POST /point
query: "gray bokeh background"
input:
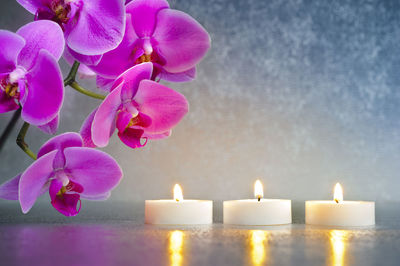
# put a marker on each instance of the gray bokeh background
(302, 94)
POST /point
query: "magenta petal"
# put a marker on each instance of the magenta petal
(55, 186)
(45, 91)
(185, 76)
(99, 27)
(116, 61)
(83, 70)
(60, 142)
(96, 171)
(163, 105)
(123, 119)
(104, 84)
(132, 137)
(65, 203)
(85, 59)
(11, 46)
(33, 5)
(7, 103)
(41, 34)
(132, 77)
(86, 130)
(182, 41)
(51, 127)
(103, 125)
(9, 189)
(143, 13)
(33, 180)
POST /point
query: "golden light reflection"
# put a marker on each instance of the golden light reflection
(338, 239)
(175, 248)
(338, 193)
(178, 195)
(258, 247)
(258, 190)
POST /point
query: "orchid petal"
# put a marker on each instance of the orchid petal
(9, 189)
(163, 105)
(181, 40)
(60, 142)
(143, 13)
(116, 61)
(46, 91)
(33, 180)
(7, 103)
(41, 34)
(185, 76)
(104, 84)
(85, 59)
(83, 70)
(132, 77)
(132, 137)
(33, 5)
(123, 119)
(103, 125)
(99, 27)
(51, 127)
(86, 130)
(11, 46)
(65, 203)
(96, 171)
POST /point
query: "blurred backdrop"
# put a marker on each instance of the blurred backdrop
(301, 94)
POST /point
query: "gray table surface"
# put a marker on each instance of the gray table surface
(119, 237)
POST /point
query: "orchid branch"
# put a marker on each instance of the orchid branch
(70, 81)
(21, 141)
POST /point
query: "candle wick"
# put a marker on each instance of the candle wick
(259, 198)
(337, 201)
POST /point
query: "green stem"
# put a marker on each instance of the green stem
(21, 141)
(70, 81)
(77, 87)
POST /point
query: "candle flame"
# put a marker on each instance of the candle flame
(258, 190)
(338, 193)
(178, 196)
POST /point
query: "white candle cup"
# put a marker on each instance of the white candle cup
(179, 213)
(254, 212)
(258, 211)
(345, 213)
(178, 210)
(337, 212)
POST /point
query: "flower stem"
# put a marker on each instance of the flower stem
(77, 87)
(70, 81)
(9, 127)
(21, 141)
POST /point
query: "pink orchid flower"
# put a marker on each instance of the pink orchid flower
(69, 172)
(138, 107)
(29, 73)
(172, 40)
(91, 27)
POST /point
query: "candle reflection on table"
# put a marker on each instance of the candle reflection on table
(258, 246)
(338, 239)
(175, 247)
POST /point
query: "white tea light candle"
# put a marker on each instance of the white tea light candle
(178, 210)
(258, 211)
(339, 212)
